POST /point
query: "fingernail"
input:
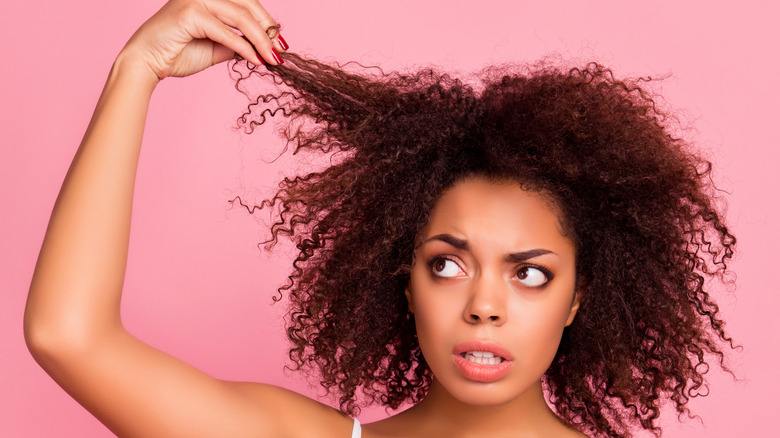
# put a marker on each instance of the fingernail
(277, 58)
(282, 42)
(257, 54)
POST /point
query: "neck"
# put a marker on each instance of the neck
(526, 415)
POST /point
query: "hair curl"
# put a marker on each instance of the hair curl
(637, 201)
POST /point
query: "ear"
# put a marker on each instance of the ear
(575, 306)
(408, 295)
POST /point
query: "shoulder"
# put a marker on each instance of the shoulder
(292, 414)
(572, 433)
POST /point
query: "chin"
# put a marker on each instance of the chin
(492, 394)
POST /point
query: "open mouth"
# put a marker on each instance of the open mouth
(483, 366)
(482, 357)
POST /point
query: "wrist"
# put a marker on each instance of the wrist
(130, 67)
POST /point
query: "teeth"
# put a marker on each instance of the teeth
(482, 357)
(481, 353)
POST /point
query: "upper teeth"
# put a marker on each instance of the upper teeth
(482, 357)
(480, 353)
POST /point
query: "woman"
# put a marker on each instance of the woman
(464, 250)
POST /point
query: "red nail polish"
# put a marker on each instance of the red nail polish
(277, 58)
(282, 42)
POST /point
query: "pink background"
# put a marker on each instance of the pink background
(198, 287)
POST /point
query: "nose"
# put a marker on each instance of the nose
(487, 301)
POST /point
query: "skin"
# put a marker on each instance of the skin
(72, 320)
(465, 286)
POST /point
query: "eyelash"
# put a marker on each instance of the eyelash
(548, 275)
(433, 260)
(546, 272)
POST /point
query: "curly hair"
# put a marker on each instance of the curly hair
(636, 199)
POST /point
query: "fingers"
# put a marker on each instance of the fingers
(222, 33)
(265, 20)
(258, 28)
(187, 36)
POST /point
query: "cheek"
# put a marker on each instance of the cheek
(433, 314)
(430, 334)
(437, 314)
(548, 317)
(539, 327)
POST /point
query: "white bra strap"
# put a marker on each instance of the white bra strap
(356, 429)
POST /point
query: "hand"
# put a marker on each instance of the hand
(187, 36)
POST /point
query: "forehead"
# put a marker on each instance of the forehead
(477, 209)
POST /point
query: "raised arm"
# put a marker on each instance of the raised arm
(72, 320)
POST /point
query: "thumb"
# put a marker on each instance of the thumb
(221, 53)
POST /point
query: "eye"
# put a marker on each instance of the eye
(533, 276)
(445, 268)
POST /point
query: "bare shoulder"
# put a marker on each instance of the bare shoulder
(571, 432)
(293, 414)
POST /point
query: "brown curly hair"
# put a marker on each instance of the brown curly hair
(636, 199)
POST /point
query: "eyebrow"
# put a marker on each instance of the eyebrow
(522, 256)
(452, 240)
(514, 257)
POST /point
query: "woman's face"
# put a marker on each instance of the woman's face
(491, 289)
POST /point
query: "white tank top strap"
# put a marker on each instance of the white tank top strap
(356, 429)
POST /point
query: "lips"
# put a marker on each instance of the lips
(482, 361)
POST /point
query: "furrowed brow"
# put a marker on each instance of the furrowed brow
(452, 240)
(516, 257)
(522, 256)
